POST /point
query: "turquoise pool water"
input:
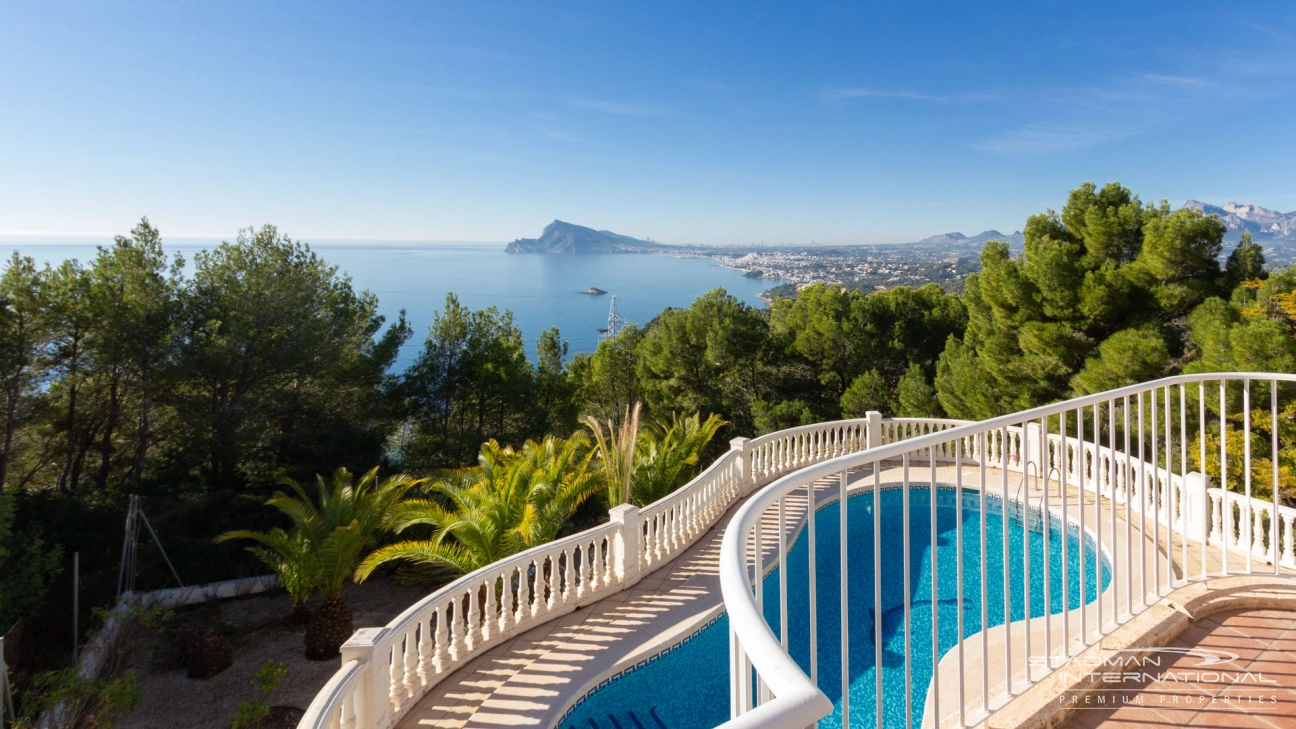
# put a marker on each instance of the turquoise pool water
(688, 688)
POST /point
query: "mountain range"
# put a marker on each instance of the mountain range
(563, 237)
(958, 240)
(1265, 224)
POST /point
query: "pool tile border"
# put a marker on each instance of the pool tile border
(603, 682)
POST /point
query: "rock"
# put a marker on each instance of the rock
(282, 717)
(209, 655)
(560, 237)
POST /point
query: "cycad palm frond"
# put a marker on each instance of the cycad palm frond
(667, 454)
(454, 557)
(514, 500)
(291, 559)
(333, 527)
(336, 558)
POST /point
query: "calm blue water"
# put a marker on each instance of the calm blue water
(695, 676)
(541, 290)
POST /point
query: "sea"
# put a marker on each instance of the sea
(541, 290)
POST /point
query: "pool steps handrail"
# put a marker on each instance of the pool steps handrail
(769, 689)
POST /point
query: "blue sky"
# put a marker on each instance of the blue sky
(685, 122)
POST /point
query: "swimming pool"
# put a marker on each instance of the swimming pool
(688, 688)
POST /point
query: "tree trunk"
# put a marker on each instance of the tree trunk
(106, 444)
(70, 453)
(329, 627)
(11, 418)
(141, 448)
(78, 462)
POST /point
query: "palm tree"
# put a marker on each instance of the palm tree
(616, 452)
(643, 464)
(289, 555)
(513, 501)
(667, 454)
(336, 527)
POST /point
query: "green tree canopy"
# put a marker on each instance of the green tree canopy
(280, 366)
(1105, 264)
(704, 358)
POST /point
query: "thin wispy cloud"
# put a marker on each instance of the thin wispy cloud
(712, 86)
(1170, 80)
(839, 94)
(612, 107)
(836, 94)
(1272, 33)
(1141, 103)
(558, 135)
(1035, 141)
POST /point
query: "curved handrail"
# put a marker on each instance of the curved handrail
(796, 701)
(340, 687)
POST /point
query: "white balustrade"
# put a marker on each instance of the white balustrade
(387, 670)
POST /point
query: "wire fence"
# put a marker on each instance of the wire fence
(180, 546)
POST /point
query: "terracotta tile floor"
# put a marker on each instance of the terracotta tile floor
(1257, 689)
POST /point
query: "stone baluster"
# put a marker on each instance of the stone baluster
(529, 589)
(507, 600)
(409, 663)
(442, 638)
(601, 549)
(562, 577)
(346, 718)
(490, 621)
(425, 668)
(1216, 518)
(1288, 552)
(396, 674)
(1258, 531)
(586, 568)
(453, 618)
(539, 586)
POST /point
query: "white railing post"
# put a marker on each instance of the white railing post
(1195, 506)
(746, 474)
(625, 555)
(873, 421)
(374, 708)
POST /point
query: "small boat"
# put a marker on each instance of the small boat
(593, 291)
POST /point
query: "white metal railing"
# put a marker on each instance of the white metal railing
(1157, 523)
(385, 671)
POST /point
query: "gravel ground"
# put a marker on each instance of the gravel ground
(174, 701)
